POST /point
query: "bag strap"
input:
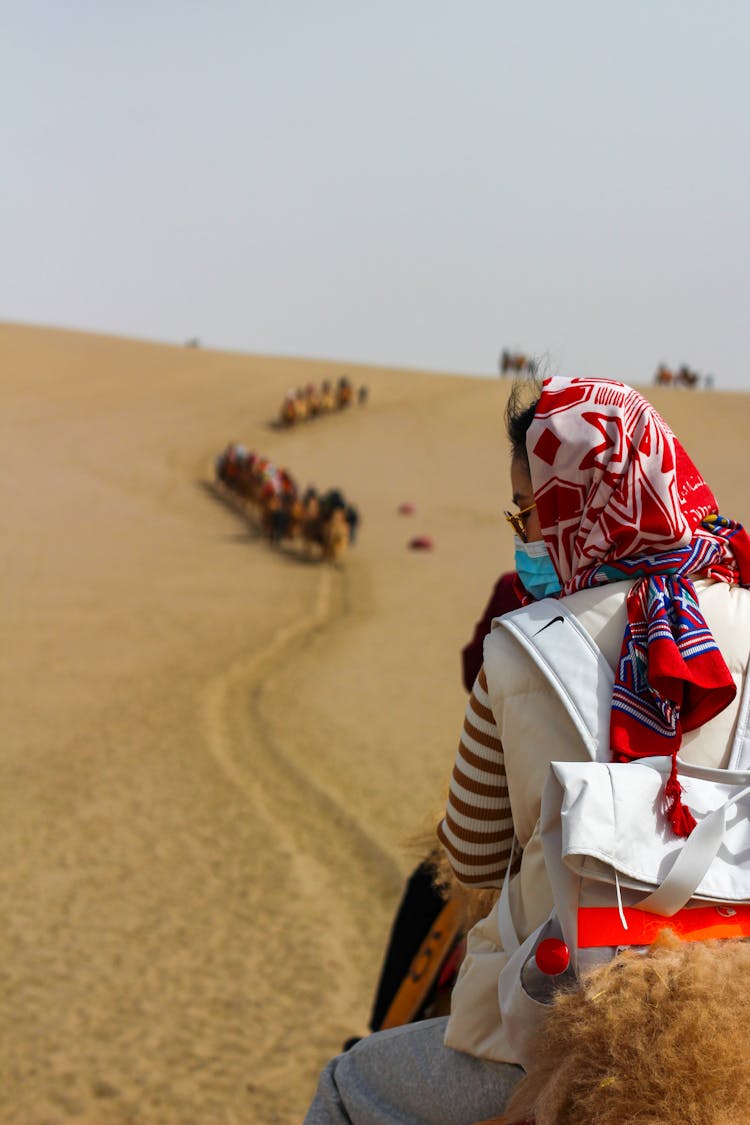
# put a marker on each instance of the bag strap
(693, 861)
(563, 650)
(506, 927)
(574, 665)
(739, 757)
(583, 680)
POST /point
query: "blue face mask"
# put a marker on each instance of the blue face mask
(535, 569)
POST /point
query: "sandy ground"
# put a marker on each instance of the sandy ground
(215, 755)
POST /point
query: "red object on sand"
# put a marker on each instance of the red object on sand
(421, 543)
(406, 509)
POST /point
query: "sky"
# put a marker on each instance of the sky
(415, 183)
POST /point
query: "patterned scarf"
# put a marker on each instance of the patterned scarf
(618, 498)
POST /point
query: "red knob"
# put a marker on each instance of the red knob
(552, 956)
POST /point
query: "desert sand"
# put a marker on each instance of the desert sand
(215, 755)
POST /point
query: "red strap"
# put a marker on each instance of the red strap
(602, 925)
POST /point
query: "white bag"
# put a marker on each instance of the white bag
(612, 857)
(618, 873)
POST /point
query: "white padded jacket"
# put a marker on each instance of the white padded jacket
(535, 730)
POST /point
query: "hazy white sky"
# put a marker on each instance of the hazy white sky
(411, 182)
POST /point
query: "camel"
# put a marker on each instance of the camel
(663, 377)
(335, 531)
(683, 377)
(327, 397)
(517, 362)
(658, 1038)
(344, 392)
(288, 413)
(328, 524)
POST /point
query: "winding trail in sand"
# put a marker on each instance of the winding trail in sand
(287, 810)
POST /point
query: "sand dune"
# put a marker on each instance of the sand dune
(214, 755)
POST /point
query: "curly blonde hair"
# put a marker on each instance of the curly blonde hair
(659, 1038)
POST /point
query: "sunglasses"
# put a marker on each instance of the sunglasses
(517, 520)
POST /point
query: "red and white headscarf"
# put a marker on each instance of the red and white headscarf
(618, 498)
(610, 478)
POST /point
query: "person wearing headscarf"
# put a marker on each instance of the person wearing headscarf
(613, 517)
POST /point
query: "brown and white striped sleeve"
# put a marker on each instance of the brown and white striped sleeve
(477, 831)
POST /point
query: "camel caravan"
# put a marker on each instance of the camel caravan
(311, 402)
(321, 525)
(517, 363)
(684, 376)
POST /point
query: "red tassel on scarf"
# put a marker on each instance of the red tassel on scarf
(680, 817)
